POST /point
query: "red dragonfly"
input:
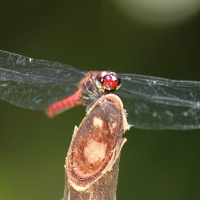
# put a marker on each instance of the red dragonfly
(151, 102)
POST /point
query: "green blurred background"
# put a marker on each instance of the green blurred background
(99, 35)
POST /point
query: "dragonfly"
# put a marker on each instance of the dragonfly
(151, 102)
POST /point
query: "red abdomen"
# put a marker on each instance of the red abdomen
(64, 104)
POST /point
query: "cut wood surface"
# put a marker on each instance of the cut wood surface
(92, 161)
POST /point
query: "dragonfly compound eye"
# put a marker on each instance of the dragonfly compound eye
(110, 81)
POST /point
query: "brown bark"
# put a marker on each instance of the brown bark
(92, 161)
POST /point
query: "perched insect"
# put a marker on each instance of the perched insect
(92, 87)
(151, 102)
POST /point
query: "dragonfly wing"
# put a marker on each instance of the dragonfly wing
(157, 103)
(35, 84)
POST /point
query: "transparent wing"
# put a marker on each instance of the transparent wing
(157, 103)
(35, 84)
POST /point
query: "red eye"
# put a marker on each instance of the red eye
(109, 80)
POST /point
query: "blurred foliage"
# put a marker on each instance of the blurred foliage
(95, 35)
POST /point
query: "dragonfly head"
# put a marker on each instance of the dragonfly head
(108, 81)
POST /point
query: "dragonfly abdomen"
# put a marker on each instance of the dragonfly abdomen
(65, 104)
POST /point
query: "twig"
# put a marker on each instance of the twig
(92, 161)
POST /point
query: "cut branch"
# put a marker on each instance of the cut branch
(92, 161)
